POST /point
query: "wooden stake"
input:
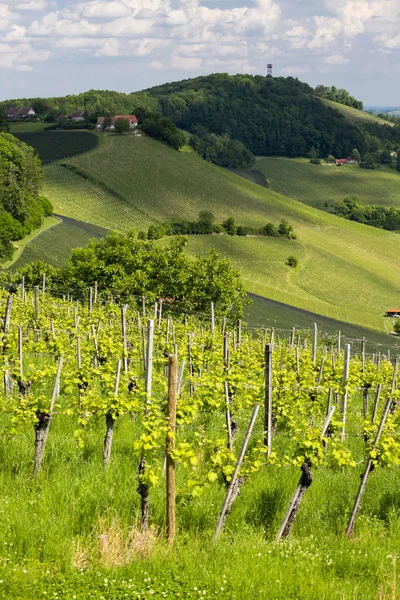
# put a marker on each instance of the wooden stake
(124, 337)
(170, 445)
(303, 485)
(233, 488)
(364, 479)
(268, 399)
(20, 354)
(110, 420)
(212, 325)
(149, 360)
(345, 391)
(314, 344)
(37, 308)
(43, 423)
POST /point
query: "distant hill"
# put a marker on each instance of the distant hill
(270, 116)
(356, 116)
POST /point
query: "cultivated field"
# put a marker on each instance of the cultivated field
(346, 271)
(322, 185)
(54, 145)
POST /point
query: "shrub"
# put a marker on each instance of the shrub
(292, 261)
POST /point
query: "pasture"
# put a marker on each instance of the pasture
(322, 185)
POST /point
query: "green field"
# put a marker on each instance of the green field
(322, 185)
(19, 127)
(354, 115)
(347, 271)
(55, 145)
(55, 245)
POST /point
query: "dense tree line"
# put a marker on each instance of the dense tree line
(21, 206)
(161, 128)
(220, 149)
(377, 216)
(206, 226)
(338, 95)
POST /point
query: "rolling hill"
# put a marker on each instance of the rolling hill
(346, 271)
(322, 185)
(353, 115)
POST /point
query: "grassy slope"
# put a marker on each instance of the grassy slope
(20, 245)
(347, 271)
(317, 184)
(354, 115)
(55, 145)
(56, 244)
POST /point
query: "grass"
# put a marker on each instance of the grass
(76, 197)
(55, 245)
(346, 271)
(354, 115)
(322, 185)
(50, 528)
(20, 245)
(17, 127)
(55, 145)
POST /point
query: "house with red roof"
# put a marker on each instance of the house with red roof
(133, 122)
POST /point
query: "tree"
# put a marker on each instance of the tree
(331, 159)
(355, 154)
(368, 162)
(127, 267)
(292, 261)
(229, 226)
(107, 123)
(270, 230)
(122, 126)
(398, 161)
(385, 157)
(314, 157)
(396, 326)
(284, 229)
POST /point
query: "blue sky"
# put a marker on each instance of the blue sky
(53, 47)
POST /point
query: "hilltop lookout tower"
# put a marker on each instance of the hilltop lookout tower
(269, 70)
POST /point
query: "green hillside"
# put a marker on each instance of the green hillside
(319, 185)
(356, 116)
(346, 271)
(54, 145)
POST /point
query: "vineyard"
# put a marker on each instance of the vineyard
(322, 185)
(55, 145)
(107, 410)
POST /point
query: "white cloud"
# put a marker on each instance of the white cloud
(336, 59)
(34, 5)
(105, 10)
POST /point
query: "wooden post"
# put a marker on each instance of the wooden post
(124, 338)
(43, 423)
(239, 333)
(110, 420)
(23, 289)
(228, 417)
(314, 344)
(376, 404)
(6, 331)
(303, 485)
(143, 306)
(363, 354)
(364, 479)
(212, 325)
(95, 293)
(44, 284)
(37, 308)
(234, 485)
(170, 445)
(20, 352)
(160, 305)
(339, 341)
(90, 299)
(268, 399)
(149, 360)
(346, 372)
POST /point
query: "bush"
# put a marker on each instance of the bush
(292, 261)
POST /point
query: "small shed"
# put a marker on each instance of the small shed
(394, 313)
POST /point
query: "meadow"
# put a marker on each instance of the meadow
(354, 115)
(323, 185)
(346, 271)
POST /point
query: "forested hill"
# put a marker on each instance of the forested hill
(270, 116)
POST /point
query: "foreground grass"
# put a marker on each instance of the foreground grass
(322, 185)
(51, 526)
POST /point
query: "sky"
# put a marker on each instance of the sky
(54, 47)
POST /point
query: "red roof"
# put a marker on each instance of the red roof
(130, 118)
(393, 310)
(17, 111)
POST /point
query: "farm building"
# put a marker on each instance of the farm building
(19, 112)
(346, 161)
(78, 115)
(393, 312)
(133, 122)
